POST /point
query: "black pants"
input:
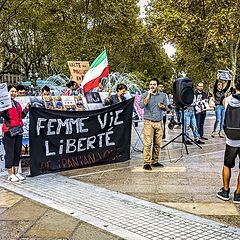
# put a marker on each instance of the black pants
(12, 146)
(200, 119)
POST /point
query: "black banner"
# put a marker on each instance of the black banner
(66, 140)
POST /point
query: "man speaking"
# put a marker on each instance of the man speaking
(154, 103)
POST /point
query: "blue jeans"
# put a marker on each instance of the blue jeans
(190, 122)
(219, 112)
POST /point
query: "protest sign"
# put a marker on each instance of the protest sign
(5, 100)
(78, 69)
(66, 140)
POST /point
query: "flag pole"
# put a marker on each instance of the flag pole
(109, 79)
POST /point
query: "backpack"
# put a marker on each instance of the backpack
(231, 125)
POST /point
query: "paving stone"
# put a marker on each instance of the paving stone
(2, 210)
(11, 230)
(52, 225)
(26, 210)
(205, 208)
(8, 199)
(85, 232)
(117, 213)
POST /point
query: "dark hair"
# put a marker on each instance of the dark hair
(121, 86)
(70, 84)
(237, 83)
(10, 87)
(20, 87)
(45, 88)
(155, 79)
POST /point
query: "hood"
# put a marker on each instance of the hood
(234, 100)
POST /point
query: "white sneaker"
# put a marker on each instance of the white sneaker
(13, 178)
(20, 177)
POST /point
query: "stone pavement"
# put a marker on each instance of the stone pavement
(25, 219)
(187, 182)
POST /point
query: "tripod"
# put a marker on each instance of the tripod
(139, 138)
(183, 135)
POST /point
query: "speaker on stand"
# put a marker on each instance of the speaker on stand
(183, 95)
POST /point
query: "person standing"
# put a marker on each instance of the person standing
(219, 95)
(190, 123)
(13, 143)
(154, 103)
(201, 111)
(232, 149)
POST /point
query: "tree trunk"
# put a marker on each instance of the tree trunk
(233, 56)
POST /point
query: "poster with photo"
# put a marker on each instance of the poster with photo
(93, 97)
(93, 100)
(68, 103)
(79, 103)
(48, 102)
(58, 104)
(37, 101)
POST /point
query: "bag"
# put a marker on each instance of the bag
(231, 125)
(14, 131)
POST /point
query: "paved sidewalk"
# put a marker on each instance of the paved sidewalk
(128, 217)
(24, 219)
(138, 204)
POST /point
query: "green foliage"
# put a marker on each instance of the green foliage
(41, 36)
(205, 32)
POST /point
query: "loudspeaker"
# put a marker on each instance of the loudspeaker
(183, 92)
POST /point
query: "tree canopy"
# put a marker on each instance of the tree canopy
(206, 33)
(41, 36)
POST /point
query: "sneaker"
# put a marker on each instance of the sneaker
(20, 177)
(199, 141)
(220, 135)
(223, 194)
(203, 138)
(157, 164)
(236, 198)
(213, 134)
(13, 178)
(188, 142)
(147, 167)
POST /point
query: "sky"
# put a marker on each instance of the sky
(169, 49)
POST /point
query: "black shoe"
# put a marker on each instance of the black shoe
(199, 141)
(224, 194)
(147, 167)
(188, 142)
(204, 138)
(157, 164)
(236, 198)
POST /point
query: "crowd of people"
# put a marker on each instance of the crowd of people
(156, 104)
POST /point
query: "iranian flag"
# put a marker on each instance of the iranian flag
(98, 69)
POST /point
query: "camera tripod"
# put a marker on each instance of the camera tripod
(183, 136)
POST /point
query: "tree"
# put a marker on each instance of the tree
(205, 31)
